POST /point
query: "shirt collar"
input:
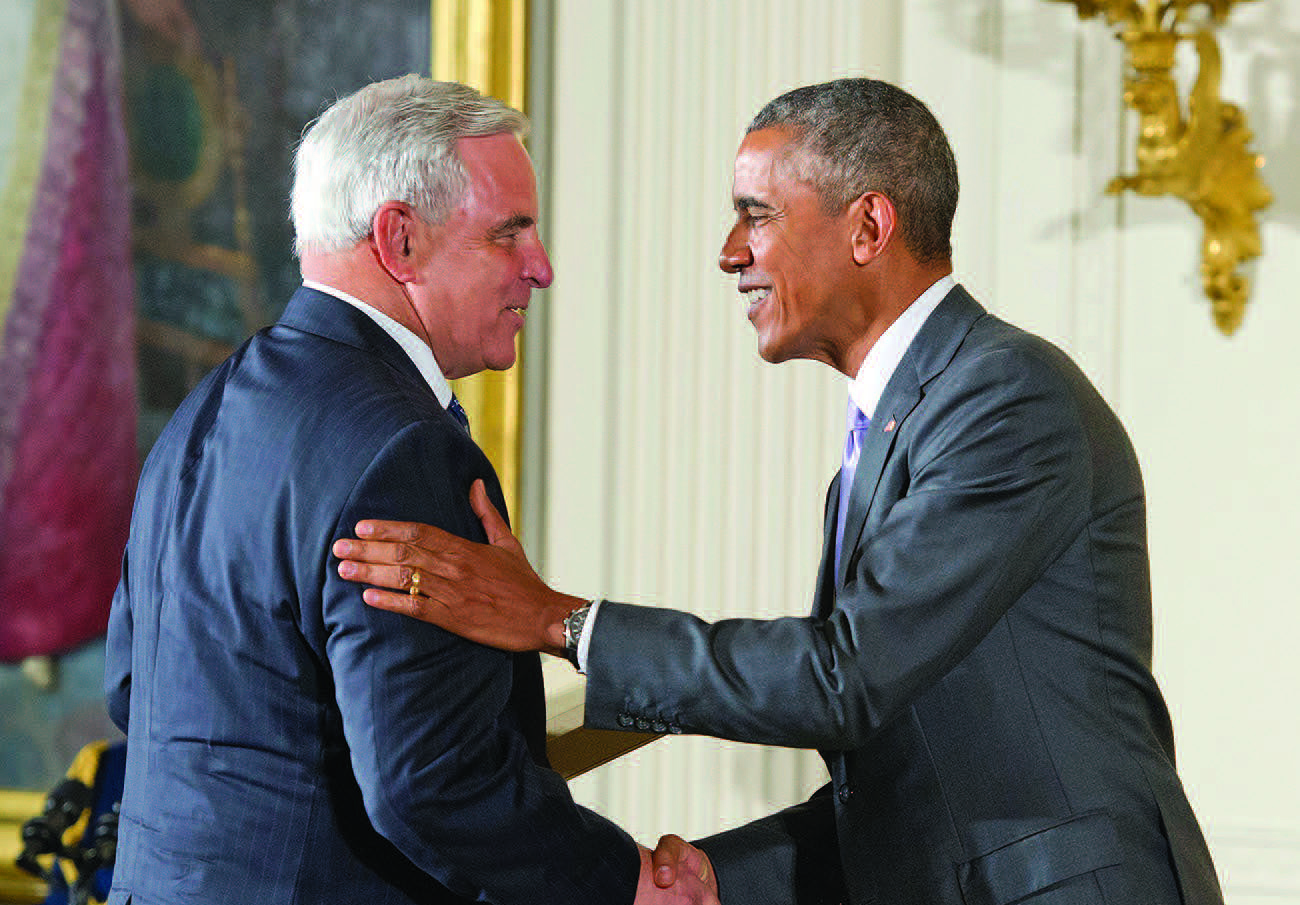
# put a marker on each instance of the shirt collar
(415, 348)
(879, 365)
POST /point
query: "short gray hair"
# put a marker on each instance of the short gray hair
(390, 141)
(853, 136)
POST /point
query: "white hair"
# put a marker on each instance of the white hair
(390, 141)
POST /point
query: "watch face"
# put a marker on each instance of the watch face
(573, 626)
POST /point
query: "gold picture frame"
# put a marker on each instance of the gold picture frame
(484, 43)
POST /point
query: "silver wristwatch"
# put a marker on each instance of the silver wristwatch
(573, 624)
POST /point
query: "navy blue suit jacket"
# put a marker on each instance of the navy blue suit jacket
(286, 742)
(977, 674)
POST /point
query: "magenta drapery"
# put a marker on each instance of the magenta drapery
(67, 363)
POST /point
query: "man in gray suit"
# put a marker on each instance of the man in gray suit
(976, 670)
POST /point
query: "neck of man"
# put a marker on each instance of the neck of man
(356, 272)
(889, 293)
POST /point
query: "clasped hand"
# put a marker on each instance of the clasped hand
(682, 875)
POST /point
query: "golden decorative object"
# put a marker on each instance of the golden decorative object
(1202, 157)
(484, 43)
(17, 806)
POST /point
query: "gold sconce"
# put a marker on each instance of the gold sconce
(1202, 157)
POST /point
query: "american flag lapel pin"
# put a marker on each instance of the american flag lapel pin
(891, 425)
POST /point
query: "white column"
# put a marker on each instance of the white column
(680, 469)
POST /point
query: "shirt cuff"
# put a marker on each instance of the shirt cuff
(584, 640)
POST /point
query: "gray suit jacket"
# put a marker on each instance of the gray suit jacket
(977, 675)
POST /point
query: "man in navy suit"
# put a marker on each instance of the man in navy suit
(976, 669)
(286, 743)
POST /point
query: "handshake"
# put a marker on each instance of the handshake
(676, 873)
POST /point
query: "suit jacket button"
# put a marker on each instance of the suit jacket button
(844, 794)
(659, 726)
(642, 723)
(625, 720)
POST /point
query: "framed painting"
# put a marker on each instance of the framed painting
(216, 95)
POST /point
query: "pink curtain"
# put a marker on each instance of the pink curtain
(67, 361)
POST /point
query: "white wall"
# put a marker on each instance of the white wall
(680, 469)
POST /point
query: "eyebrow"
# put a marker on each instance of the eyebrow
(514, 224)
(746, 202)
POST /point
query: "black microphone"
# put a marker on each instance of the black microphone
(102, 850)
(43, 835)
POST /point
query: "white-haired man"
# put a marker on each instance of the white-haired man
(287, 743)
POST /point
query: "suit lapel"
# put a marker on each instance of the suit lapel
(927, 356)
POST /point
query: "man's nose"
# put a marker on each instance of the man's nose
(735, 255)
(537, 267)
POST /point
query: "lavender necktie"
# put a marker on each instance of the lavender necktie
(857, 431)
(458, 412)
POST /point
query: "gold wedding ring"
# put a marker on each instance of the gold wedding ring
(414, 589)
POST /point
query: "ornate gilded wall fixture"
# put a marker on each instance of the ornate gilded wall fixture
(1201, 157)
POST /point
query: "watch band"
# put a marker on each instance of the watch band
(573, 624)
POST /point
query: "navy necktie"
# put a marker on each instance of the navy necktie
(857, 430)
(458, 412)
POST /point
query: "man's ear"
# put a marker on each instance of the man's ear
(872, 219)
(393, 236)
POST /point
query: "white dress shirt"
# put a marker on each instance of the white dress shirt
(883, 359)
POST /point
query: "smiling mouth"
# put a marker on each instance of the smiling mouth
(755, 297)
